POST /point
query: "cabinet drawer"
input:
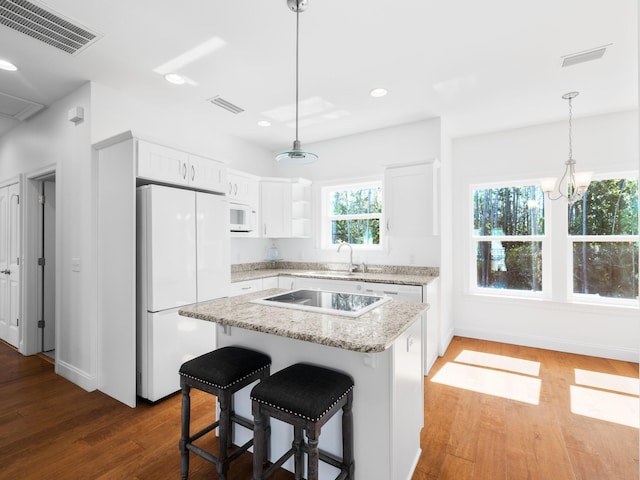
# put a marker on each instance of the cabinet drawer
(247, 286)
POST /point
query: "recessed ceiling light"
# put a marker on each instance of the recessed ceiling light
(174, 78)
(378, 92)
(264, 123)
(6, 65)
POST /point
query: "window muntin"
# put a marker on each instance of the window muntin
(513, 218)
(603, 236)
(353, 214)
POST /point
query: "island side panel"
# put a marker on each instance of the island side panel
(373, 400)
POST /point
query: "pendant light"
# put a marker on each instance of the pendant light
(297, 156)
(575, 184)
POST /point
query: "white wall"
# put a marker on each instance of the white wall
(365, 155)
(50, 139)
(188, 129)
(46, 139)
(603, 144)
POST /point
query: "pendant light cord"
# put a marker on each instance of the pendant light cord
(297, 58)
(570, 145)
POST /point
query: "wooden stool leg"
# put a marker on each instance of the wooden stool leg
(184, 438)
(298, 453)
(313, 455)
(225, 414)
(259, 440)
(347, 436)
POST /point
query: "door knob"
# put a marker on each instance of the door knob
(6, 272)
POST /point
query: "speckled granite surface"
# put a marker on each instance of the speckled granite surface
(372, 332)
(399, 275)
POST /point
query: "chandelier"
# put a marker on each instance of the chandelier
(572, 185)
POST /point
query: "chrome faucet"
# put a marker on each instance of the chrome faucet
(351, 265)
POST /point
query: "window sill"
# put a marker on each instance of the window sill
(573, 304)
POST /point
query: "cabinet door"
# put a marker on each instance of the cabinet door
(206, 174)
(411, 200)
(276, 209)
(290, 283)
(162, 164)
(269, 282)
(408, 400)
(243, 189)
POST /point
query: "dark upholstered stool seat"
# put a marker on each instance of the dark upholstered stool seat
(221, 373)
(225, 367)
(305, 396)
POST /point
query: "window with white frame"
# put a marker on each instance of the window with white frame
(603, 240)
(353, 213)
(508, 238)
(511, 245)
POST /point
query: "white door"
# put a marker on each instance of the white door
(10, 264)
(214, 271)
(4, 263)
(171, 248)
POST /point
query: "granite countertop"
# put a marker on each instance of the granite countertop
(372, 332)
(395, 275)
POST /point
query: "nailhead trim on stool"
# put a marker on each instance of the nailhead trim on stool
(221, 373)
(305, 396)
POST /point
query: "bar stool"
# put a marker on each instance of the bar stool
(221, 373)
(305, 396)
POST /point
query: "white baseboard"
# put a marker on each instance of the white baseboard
(581, 348)
(415, 464)
(75, 375)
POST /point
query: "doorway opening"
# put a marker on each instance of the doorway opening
(40, 264)
(47, 265)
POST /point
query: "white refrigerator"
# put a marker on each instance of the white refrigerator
(182, 258)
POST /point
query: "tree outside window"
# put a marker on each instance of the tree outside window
(354, 213)
(603, 232)
(508, 231)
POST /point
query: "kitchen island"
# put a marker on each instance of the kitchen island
(380, 349)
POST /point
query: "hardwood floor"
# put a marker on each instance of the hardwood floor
(52, 429)
(485, 436)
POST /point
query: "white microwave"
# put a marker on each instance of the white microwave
(242, 217)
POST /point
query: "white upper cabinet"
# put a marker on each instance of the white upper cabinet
(175, 167)
(411, 200)
(276, 208)
(285, 207)
(206, 174)
(243, 188)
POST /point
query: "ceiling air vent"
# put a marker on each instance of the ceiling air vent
(222, 103)
(586, 56)
(44, 24)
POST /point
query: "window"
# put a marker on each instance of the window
(508, 237)
(353, 214)
(597, 250)
(603, 236)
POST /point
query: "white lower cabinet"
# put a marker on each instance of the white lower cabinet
(288, 283)
(269, 282)
(246, 286)
(431, 327)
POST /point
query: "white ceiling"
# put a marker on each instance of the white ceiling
(481, 66)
